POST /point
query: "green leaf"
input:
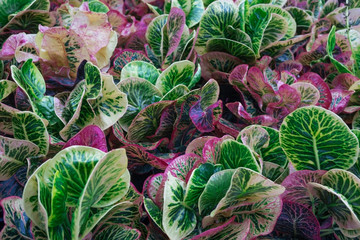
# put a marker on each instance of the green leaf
(214, 191)
(12, 7)
(153, 211)
(247, 187)
(28, 126)
(274, 172)
(30, 80)
(140, 69)
(330, 48)
(354, 38)
(93, 80)
(193, 10)
(238, 35)
(340, 192)
(118, 232)
(97, 6)
(273, 152)
(302, 18)
(232, 47)
(110, 106)
(262, 215)
(140, 93)
(256, 24)
(58, 201)
(117, 191)
(147, 121)
(13, 154)
(291, 29)
(217, 16)
(154, 33)
(178, 220)
(77, 112)
(177, 73)
(6, 88)
(317, 139)
(275, 30)
(197, 182)
(175, 93)
(279, 3)
(234, 154)
(6, 114)
(104, 175)
(255, 137)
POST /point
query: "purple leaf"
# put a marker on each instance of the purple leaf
(321, 85)
(238, 110)
(205, 119)
(344, 81)
(340, 99)
(175, 27)
(237, 77)
(298, 222)
(10, 187)
(296, 186)
(91, 136)
(290, 100)
(138, 156)
(291, 66)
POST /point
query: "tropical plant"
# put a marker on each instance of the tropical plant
(179, 119)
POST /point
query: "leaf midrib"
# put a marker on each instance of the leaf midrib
(317, 160)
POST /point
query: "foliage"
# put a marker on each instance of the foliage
(179, 119)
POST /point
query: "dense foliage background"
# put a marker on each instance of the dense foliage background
(179, 119)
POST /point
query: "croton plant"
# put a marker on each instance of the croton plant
(179, 119)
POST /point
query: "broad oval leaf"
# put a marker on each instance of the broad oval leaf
(296, 185)
(178, 219)
(110, 106)
(310, 95)
(154, 33)
(273, 152)
(247, 187)
(232, 47)
(140, 69)
(28, 126)
(234, 154)
(304, 224)
(147, 121)
(217, 16)
(317, 139)
(197, 182)
(93, 80)
(291, 29)
(214, 191)
(91, 136)
(13, 154)
(340, 192)
(177, 73)
(30, 80)
(140, 93)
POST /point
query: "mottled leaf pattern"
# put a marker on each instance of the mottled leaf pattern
(140, 69)
(28, 126)
(111, 105)
(234, 154)
(177, 73)
(178, 220)
(247, 186)
(309, 127)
